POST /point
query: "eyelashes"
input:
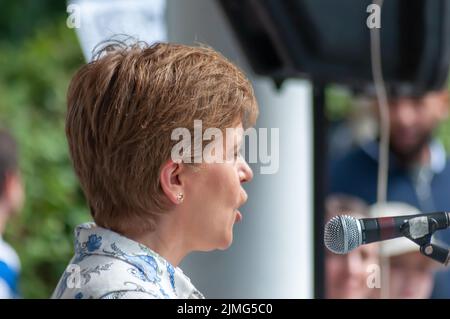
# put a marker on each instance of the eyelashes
(238, 153)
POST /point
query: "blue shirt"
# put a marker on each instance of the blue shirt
(426, 187)
(9, 271)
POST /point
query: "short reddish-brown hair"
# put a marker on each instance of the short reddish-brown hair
(122, 109)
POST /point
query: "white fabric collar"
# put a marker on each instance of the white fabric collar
(91, 239)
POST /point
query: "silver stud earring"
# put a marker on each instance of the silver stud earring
(180, 197)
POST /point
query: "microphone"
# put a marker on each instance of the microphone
(345, 233)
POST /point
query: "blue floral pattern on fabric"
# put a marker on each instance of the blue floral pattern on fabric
(110, 266)
(146, 265)
(94, 242)
(171, 272)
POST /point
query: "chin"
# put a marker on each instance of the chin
(218, 244)
(226, 242)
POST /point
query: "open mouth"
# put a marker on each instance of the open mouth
(238, 213)
(238, 216)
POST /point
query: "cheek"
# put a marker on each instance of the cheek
(428, 285)
(428, 119)
(223, 184)
(424, 282)
(403, 281)
(334, 268)
(396, 282)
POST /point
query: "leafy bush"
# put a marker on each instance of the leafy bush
(34, 77)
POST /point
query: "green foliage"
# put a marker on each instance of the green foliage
(443, 133)
(19, 18)
(34, 77)
(338, 103)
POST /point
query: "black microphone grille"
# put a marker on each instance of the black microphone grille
(342, 234)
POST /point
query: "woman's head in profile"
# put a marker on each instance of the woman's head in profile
(154, 133)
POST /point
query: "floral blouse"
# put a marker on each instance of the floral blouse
(108, 265)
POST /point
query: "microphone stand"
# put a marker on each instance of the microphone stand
(421, 233)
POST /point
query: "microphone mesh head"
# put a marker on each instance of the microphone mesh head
(342, 234)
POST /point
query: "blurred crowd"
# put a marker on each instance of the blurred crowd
(418, 181)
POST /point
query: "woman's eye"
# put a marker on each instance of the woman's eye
(238, 153)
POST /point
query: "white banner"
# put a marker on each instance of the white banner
(99, 20)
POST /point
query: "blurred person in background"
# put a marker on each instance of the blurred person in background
(411, 275)
(11, 201)
(419, 171)
(347, 275)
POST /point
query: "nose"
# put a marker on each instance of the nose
(404, 113)
(245, 172)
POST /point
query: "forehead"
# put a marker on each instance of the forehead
(423, 99)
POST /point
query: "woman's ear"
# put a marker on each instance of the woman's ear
(170, 181)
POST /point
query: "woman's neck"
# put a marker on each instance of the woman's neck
(168, 240)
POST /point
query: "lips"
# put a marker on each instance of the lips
(244, 199)
(238, 216)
